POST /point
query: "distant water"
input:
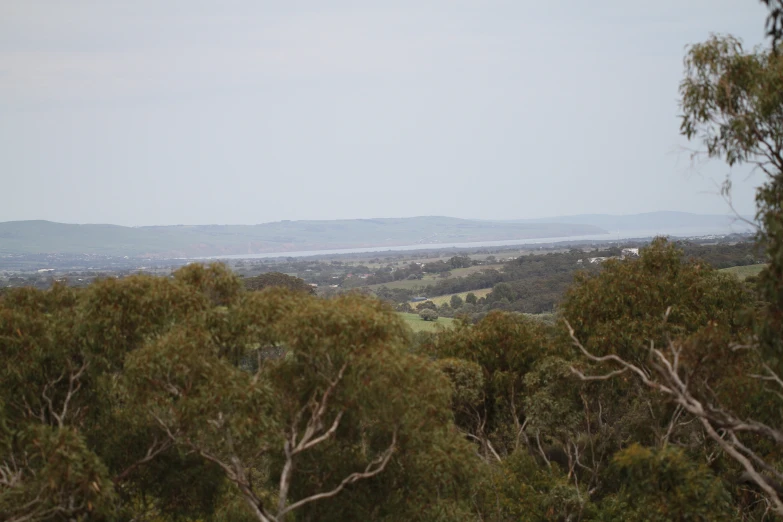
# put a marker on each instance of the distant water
(617, 235)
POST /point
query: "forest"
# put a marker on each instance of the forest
(655, 394)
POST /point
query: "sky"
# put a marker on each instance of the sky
(244, 112)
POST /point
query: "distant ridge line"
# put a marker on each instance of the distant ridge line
(40, 236)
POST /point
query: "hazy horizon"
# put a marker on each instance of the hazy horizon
(247, 112)
(370, 218)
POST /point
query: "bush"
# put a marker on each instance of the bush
(428, 315)
(268, 279)
(404, 307)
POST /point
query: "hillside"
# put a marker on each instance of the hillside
(35, 237)
(652, 223)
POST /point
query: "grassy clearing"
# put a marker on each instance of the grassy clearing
(405, 284)
(743, 272)
(447, 298)
(417, 324)
(462, 272)
(547, 317)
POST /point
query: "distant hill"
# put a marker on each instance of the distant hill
(37, 237)
(653, 223)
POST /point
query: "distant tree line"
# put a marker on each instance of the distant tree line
(535, 283)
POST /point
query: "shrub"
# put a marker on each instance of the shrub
(428, 315)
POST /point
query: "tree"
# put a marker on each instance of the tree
(426, 305)
(456, 302)
(313, 425)
(427, 314)
(633, 307)
(501, 291)
(509, 382)
(774, 20)
(68, 448)
(619, 310)
(167, 397)
(50, 473)
(404, 307)
(663, 485)
(471, 298)
(268, 279)
(460, 262)
(732, 102)
(505, 347)
(520, 489)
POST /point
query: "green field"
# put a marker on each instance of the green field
(743, 272)
(462, 272)
(447, 298)
(417, 324)
(405, 284)
(547, 317)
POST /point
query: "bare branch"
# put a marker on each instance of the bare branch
(753, 456)
(373, 468)
(326, 435)
(757, 478)
(316, 430)
(672, 424)
(604, 377)
(771, 376)
(309, 438)
(711, 417)
(541, 450)
(484, 442)
(155, 449)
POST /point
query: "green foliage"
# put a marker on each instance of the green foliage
(426, 305)
(467, 383)
(731, 100)
(632, 305)
(136, 397)
(50, 473)
(553, 405)
(653, 299)
(428, 314)
(661, 485)
(350, 350)
(520, 489)
(268, 279)
(505, 347)
(118, 316)
(501, 291)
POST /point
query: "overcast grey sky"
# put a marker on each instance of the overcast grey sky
(194, 112)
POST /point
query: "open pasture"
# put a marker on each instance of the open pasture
(743, 272)
(417, 324)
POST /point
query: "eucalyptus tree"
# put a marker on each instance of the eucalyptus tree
(729, 383)
(192, 398)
